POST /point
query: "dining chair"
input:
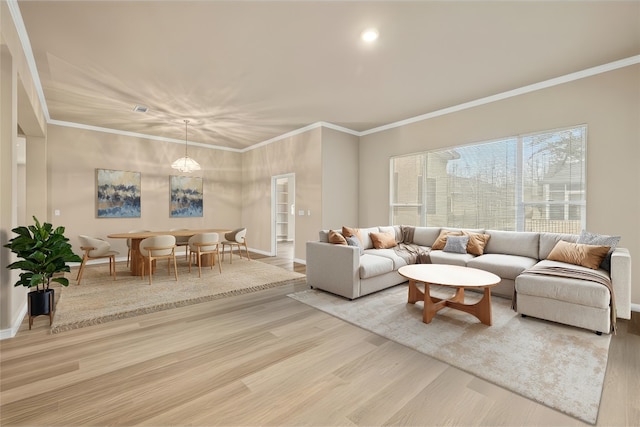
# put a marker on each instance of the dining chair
(204, 244)
(182, 241)
(95, 248)
(158, 247)
(237, 238)
(129, 244)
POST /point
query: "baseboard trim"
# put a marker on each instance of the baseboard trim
(11, 332)
(635, 307)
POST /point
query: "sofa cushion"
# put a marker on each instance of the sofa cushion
(383, 240)
(373, 265)
(579, 254)
(575, 291)
(548, 242)
(396, 230)
(505, 266)
(601, 240)
(391, 254)
(456, 244)
(336, 238)
(366, 236)
(521, 243)
(425, 236)
(441, 241)
(477, 242)
(442, 257)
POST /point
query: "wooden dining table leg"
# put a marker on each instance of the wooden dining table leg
(136, 262)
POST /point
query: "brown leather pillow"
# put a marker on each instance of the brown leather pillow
(477, 242)
(589, 256)
(336, 238)
(349, 231)
(383, 240)
(438, 245)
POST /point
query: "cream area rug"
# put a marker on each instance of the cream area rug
(99, 299)
(556, 365)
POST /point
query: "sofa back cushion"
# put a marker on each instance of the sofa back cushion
(323, 236)
(521, 243)
(548, 242)
(425, 236)
(396, 230)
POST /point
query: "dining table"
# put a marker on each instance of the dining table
(137, 237)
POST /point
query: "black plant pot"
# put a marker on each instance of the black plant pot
(41, 302)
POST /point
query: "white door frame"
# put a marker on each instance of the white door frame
(274, 207)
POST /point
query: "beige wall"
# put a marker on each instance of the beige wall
(608, 103)
(300, 155)
(19, 108)
(339, 179)
(74, 155)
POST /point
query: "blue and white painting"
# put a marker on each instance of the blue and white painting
(117, 194)
(186, 196)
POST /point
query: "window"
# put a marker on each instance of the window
(527, 183)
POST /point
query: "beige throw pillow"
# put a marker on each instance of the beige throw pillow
(438, 245)
(349, 231)
(477, 242)
(383, 240)
(336, 238)
(589, 256)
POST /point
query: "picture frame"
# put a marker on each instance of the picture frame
(185, 196)
(118, 194)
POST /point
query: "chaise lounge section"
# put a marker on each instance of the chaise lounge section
(578, 297)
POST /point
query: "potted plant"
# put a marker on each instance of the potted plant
(43, 252)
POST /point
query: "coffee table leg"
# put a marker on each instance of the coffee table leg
(481, 309)
(415, 294)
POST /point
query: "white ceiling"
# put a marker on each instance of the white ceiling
(247, 71)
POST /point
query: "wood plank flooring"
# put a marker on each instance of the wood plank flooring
(265, 359)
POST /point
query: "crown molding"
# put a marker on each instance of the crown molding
(137, 135)
(511, 93)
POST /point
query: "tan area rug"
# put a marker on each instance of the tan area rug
(556, 365)
(99, 299)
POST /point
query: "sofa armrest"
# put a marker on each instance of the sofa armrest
(621, 281)
(334, 268)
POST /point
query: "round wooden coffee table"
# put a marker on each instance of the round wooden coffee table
(453, 276)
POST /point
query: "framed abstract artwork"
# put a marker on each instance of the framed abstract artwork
(117, 194)
(185, 196)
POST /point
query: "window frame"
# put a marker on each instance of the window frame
(521, 205)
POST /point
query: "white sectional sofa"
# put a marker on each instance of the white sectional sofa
(352, 272)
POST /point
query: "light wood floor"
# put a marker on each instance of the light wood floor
(265, 359)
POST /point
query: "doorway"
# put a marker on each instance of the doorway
(283, 215)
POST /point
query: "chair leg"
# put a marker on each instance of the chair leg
(175, 267)
(113, 259)
(128, 256)
(199, 263)
(246, 249)
(81, 270)
(219, 262)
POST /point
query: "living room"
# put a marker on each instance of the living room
(330, 190)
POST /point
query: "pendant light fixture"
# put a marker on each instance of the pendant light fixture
(186, 163)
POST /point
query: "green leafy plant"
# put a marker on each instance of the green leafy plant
(43, 252)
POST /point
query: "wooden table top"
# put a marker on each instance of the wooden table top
(449, 275)
(177, 233)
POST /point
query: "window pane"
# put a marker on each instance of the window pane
(474, 186)
(554, 180)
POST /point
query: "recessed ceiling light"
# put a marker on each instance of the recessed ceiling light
(140, 109)
(370, 35)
